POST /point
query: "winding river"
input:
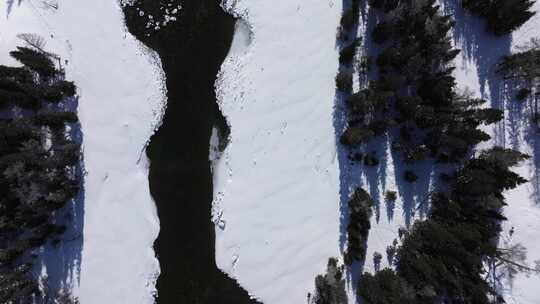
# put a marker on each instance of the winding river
(192, 50)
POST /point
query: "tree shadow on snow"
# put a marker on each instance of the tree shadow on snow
(414, 197)
(9, 6)
(485, 50)
(375, 176)
(353, 174)
(533, 139)
(411, 194)
(522, 132)
(350, 173)
(59, 261)
(340, 122)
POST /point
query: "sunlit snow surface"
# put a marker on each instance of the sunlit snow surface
(120, 102)
(276, 184)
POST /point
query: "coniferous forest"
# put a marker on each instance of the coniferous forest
(38, 159)
(411, 97)
(442, 258)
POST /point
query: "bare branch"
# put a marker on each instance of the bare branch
(50, 4)
(33, 40)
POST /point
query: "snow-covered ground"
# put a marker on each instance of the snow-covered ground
(120, 101)
(277, 184)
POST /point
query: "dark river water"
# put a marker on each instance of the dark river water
(192, 50)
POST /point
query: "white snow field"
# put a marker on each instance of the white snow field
(120, 102)
(277, 185)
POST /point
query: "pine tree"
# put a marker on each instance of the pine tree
(330, 288)
(360, 214)
(35, 60)
(502, 16)
(416, 88)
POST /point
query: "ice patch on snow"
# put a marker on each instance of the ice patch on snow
(242, 39)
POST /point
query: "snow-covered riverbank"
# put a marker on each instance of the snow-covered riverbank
(120, 100)
(276, 184)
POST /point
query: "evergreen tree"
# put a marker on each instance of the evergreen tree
(330, 288)
(415, 88)
(442, 259)
(36, 61)
(502, 16)
(360, 214)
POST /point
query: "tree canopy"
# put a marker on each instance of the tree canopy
(502, 16)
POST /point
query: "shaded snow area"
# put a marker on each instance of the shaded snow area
(120, 96)
(475, 71)
(276, 188)
(384, 180)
